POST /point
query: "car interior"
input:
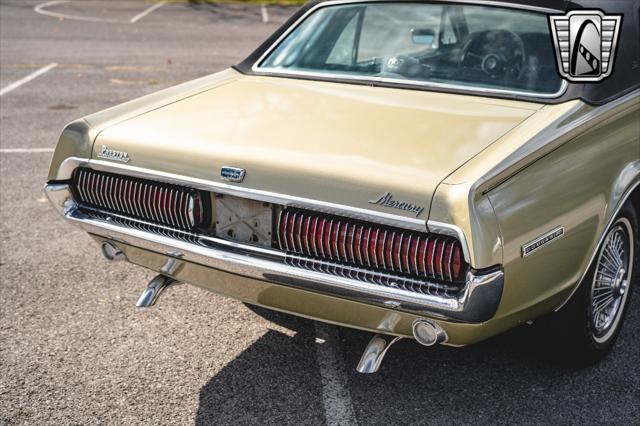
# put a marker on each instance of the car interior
(450, 44)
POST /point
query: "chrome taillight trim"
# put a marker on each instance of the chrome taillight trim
(121, 195)
(150, 201)
(67, 167)
(371, 243)
(477, 302)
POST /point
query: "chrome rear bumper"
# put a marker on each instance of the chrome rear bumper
(478, 302)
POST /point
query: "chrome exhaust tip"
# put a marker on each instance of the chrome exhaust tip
(111, 252)
(428, 333)
(374, 353)
(155, 287)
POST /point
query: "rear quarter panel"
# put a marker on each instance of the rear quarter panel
(577, 186)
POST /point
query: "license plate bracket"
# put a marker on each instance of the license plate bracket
(243, 220)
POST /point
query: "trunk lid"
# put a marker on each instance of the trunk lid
(331, 142)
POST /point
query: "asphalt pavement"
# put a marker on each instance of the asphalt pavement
(75, 350)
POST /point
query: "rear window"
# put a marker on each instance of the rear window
(467, 46)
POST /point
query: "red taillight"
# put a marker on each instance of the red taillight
(170, 205)
(456, 262)
(319, 234)
(413, 255)
(328, 224)
(395, 252)
(365, 238)
(350, 243)
(342, 241)
(380, 254)
(437, 260)
(370, 246)
(359, 233)
(446, 269)
(373, 244)
(333, 240)
(422, 256)
(388, 249)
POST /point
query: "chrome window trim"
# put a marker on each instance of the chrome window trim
(67, 167)
(476, 303)
(412, 83)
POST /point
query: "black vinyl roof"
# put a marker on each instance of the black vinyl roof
(624, 79)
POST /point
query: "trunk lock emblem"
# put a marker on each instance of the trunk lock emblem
(232, 174)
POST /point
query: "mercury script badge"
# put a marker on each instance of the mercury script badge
(112, 154)
(585, 42)
(388, 201)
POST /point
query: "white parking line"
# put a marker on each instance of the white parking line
(27, 79)
(264, 13)
(141, 15)
(41, 9)
(24, 150)
(336, 397)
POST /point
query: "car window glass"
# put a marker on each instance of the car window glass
(460, 46)
(388, 31)
(342, 52)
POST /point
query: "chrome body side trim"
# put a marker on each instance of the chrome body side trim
(260, 71)
(70, 164)
(540, 242)
(550, 138)
(622, 202)
(477, 302)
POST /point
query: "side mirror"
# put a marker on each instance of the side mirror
(423, 36)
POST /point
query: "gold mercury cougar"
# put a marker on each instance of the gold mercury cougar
(414, 169)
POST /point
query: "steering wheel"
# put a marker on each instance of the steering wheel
(495, 53)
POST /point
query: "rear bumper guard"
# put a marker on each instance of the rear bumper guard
(477, 302)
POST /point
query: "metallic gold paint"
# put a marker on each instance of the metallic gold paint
(338, 143)
(503, 171)
(309, 304)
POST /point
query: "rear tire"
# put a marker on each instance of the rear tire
(587, 327)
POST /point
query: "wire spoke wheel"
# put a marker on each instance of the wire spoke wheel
(611, 280)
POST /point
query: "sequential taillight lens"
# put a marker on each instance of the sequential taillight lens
(370, 246)
(164, 204)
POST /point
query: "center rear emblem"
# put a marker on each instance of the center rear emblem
(232, 174)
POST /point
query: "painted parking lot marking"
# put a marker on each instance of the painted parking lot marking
(27, 79)
(43, 9)
(144, 13)
(336, 397)
(24, 150)
(264, 12)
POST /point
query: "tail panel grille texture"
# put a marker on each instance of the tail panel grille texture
(369, 246)
(164, 204)
(417, 262)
